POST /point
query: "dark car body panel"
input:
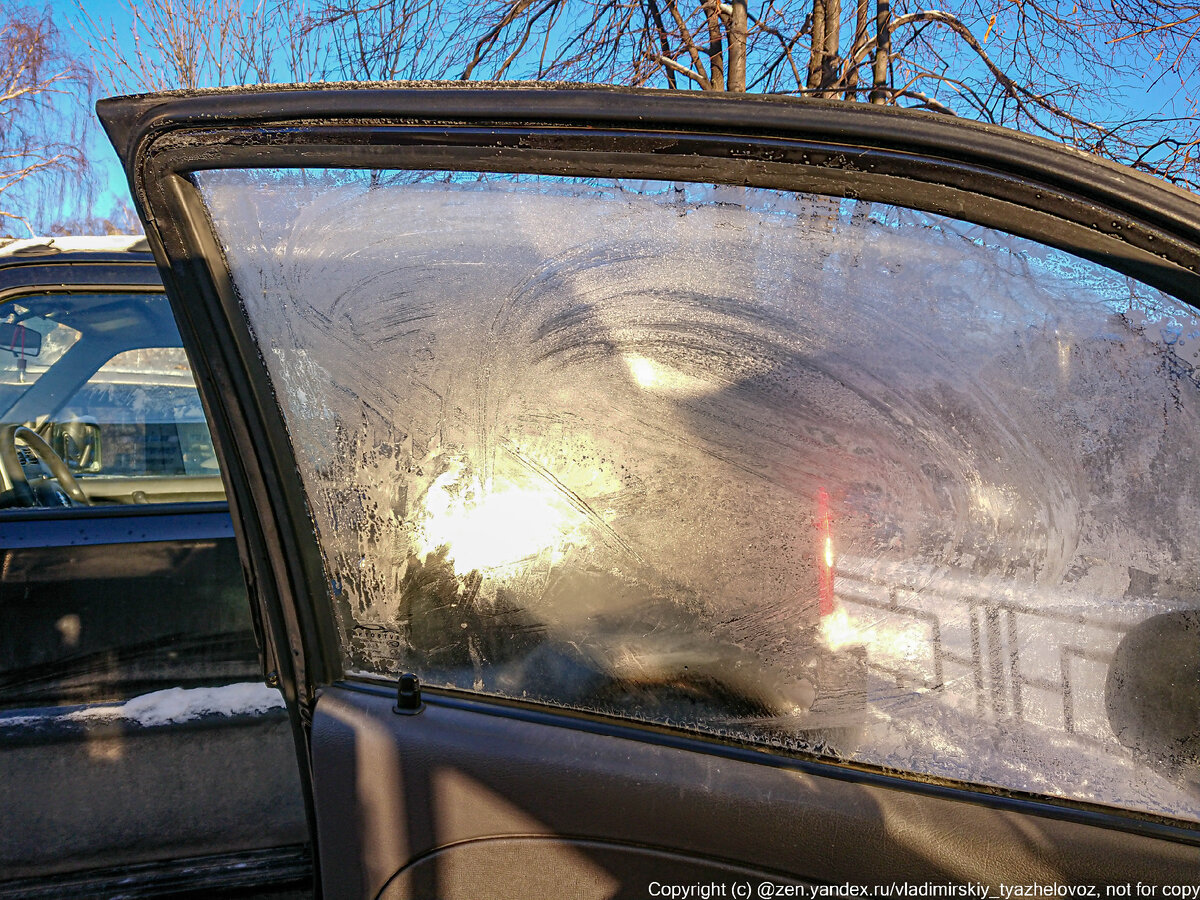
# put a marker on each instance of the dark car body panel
(69, 269)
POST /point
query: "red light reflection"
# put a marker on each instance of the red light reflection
(825, 552)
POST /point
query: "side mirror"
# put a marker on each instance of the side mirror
(1152, 693)
(76, 442)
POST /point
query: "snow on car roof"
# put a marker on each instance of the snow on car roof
(39, 246)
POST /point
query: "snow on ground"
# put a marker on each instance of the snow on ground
(174, 705)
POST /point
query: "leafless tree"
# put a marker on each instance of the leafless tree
(1042, 66)
(1165, 36)
(382, 40)
(174, 44)
(41, 116)
(1048, 67)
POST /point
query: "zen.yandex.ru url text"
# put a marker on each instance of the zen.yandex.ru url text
(771, 890)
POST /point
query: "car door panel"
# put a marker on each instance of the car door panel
(437, 786)
(543, 749)
(94, 788)
(549, 867)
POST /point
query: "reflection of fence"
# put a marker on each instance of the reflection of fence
(1005, 650)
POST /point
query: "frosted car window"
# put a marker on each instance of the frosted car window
(827, 475)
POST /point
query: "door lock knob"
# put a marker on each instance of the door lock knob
(408, 695)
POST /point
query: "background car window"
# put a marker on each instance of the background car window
(832, 476)
(111, 391)
(148, 410)
(110, 605)
(20, 368)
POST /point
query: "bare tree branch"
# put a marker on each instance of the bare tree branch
(43, 117)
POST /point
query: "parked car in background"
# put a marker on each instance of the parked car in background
(140, 751)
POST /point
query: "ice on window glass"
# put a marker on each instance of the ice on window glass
(826, 475)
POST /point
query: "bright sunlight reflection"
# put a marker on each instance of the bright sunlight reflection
(887, 640)
(651, 375)
(840, 632)
(494, 525)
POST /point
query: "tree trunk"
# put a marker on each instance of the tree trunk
(738, 30)
(817, 57)
(833, 37)
(716, 52)
(883, 51)
(861, 21)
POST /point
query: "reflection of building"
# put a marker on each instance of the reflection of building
(994, 648)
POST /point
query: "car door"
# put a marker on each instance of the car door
(136, 750)
(665, 495)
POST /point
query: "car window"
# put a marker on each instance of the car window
(148, 409)
(106, 606)
(112, 393)
(830, 476)
(20, 363)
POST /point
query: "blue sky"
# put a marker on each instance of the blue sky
(98, 149)
(1138, 94)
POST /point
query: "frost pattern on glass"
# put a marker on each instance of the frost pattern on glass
(791, 470)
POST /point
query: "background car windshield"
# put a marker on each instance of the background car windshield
(152, 419)
(113, 362)
(20, 369)
(835, 476)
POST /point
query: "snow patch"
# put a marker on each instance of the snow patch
(183, 704)
(171, 705)
(47, 246)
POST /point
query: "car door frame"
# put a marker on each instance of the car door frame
(979, 173)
